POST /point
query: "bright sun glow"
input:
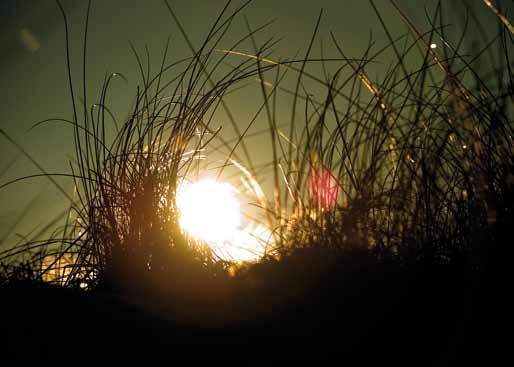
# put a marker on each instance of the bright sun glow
(210, 211)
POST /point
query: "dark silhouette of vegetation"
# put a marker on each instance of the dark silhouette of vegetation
(392, 197)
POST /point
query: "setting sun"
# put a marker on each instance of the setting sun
(210, 211)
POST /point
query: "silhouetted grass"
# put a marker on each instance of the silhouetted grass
(419, 164)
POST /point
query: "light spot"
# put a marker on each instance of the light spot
(29, 40)
(210, 212)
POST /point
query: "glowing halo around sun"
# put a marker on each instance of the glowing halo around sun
(210, 211)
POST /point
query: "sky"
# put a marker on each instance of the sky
(34, 84)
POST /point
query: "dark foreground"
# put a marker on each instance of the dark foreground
(413, 315)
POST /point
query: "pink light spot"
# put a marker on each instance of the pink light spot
(323, 187)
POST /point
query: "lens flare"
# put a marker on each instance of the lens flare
(323, 187)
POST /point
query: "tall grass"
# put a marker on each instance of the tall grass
(416, 165)
(423, 158)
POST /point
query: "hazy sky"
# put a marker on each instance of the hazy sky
(33, 77)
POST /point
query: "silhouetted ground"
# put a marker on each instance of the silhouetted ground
(389, 314)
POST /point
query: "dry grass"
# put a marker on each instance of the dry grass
(420, 161)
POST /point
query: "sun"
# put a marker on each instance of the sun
(210, 211)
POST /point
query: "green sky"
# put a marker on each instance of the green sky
(33, 77)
